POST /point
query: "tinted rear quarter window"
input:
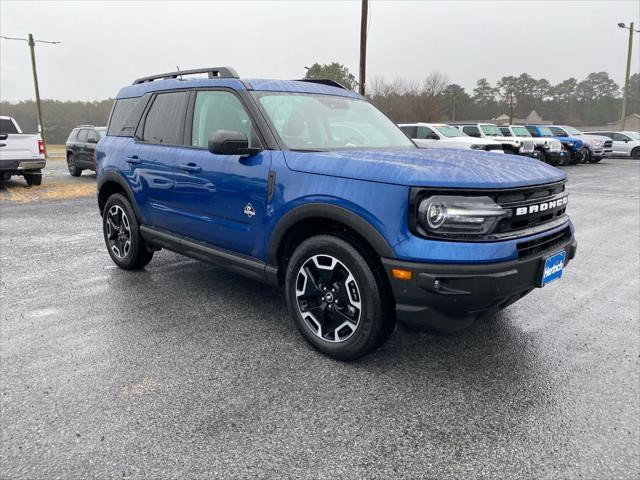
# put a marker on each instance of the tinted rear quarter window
(409, 131)
(82, 135)
(121, 112)
(165, 121)
(7, 126)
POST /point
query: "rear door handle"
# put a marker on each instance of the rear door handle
(133, 160)
(190, 167)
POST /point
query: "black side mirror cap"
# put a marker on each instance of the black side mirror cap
(230, 142)
(92, 140)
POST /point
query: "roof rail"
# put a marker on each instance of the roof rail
(324, 81)
(84, 126)
(213, 72)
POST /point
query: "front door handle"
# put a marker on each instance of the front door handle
(133, 160)
(190, 167)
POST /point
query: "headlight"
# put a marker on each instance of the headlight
(597, 143)
(477, 147)
(453, 215)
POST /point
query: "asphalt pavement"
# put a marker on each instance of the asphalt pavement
(184, 370)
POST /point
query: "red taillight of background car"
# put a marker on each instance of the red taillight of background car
(40, 147)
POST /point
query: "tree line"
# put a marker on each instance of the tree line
(595, 100)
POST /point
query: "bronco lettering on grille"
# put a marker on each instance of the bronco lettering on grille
(541, 207)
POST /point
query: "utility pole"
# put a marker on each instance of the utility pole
(32, 43)
(625, 96)
(363, 43)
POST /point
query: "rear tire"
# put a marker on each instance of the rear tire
(121, 233)
(339, 304)
(33, 178)
(74, 170)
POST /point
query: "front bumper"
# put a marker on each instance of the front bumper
(440, 296)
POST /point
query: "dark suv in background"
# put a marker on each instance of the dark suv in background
(81, 147)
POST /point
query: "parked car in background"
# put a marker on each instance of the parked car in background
(573, 145)
(308, 186)
(625, 144)
(439, 135)
(81, 147)
(514, 145)
(598, 147)
(549, 149)
(20, 153)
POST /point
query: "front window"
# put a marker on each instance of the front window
(490, 130)
(520, 132)
(325, 122)
(558, 131)
(450, 132)
(101, 132)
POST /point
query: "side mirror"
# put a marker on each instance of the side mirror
(230, 142)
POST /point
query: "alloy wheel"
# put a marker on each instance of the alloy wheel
(118, 231)
(328, 298)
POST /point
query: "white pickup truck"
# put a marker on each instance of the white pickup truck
(20, 153)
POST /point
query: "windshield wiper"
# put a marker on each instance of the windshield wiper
(305, 150)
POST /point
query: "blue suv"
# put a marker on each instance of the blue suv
(573, 145)
(306, 185)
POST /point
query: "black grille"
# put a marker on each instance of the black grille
(533, 247)
(526, 197)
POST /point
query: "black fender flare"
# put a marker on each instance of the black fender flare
(114, 177)
(329, 212)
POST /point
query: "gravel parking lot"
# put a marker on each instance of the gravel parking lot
(184, 370)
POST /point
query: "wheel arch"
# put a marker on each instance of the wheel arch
(110, 183)
(317, 218)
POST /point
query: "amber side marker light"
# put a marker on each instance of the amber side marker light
(401, 274)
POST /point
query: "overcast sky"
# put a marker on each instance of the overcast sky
(106, 45)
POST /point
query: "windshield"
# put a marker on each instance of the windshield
(491, 130)
(449, 131)
(520, 132)
(546, 132)
(634, 135)
(325, 122)
(572, 131)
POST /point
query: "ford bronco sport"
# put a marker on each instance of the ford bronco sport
(306, 185)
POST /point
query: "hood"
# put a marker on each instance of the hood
(456, 140)
(573, 141)
(498, 138)
(441, 167)
(591, 139)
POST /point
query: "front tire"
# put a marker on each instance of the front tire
(338, 302)
(73, 168)
(122, 236)
(585, 155)
(635, 153)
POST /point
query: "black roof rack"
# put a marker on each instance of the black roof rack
(324, 81)
(213, 72)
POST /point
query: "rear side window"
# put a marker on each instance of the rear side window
(165, 120)
(7, 126)
(121, 112)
